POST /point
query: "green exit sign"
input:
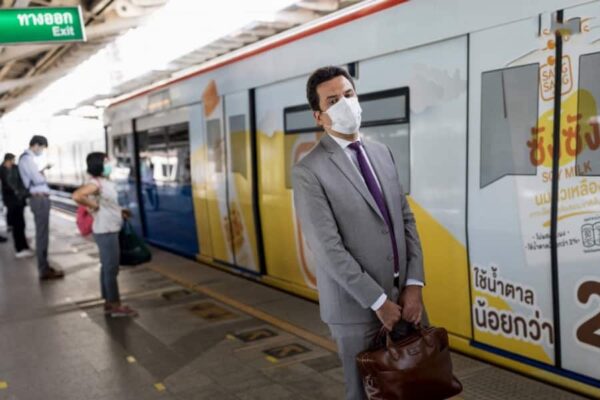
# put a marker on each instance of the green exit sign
(41, 24)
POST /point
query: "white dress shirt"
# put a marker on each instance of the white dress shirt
(344, 144)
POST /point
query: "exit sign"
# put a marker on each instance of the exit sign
(41, 24)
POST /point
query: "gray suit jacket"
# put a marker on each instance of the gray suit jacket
(347, 233)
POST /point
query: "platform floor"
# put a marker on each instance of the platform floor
(202, 334)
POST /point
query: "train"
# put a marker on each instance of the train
(500, 164)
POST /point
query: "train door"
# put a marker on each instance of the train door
(508, 201)
(227, 179)
(240, 181)
(165, 180)
(122, 152)
(216, 181)
(286, 131)
(578, 221)
(415, 101)
(533, 209)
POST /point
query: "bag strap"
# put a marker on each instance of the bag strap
(26, 184)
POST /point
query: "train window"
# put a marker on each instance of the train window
(299, 119)
(384, 108)
(165, 154)
(215, 144)
(385, 118)
(123, 154)
(509, 114)
(239, 144)
(588, 116)
(397, 138)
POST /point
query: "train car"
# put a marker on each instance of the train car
(501, 165)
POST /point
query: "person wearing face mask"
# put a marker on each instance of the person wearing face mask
(100, 196)
(14, 196)
(34, 180)
(358, 224)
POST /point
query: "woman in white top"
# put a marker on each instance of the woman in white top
(99, 195)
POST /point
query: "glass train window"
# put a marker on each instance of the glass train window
(299, 127)
(384, 108)
(588, 116)
(385, 118)
(509, 114)
(215, 144)
(299, 119)
(239, 144)
(165, 155)
(123, 155)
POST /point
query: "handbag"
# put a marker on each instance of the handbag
(84, 221)
(133, 249)
(417, 367)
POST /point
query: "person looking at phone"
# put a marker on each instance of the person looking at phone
(34, 180)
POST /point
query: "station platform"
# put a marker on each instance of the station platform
(202, 333)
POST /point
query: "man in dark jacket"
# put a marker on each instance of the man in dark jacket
(14, 195)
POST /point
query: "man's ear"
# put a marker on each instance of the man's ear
(317, 115)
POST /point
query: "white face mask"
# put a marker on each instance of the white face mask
(345, 115)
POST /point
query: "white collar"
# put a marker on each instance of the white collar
(343, 142)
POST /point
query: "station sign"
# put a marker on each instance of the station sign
(41, 24)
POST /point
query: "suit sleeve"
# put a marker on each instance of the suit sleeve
(321, 232)
(414, 253)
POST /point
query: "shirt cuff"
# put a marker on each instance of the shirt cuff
(379, 302)
(414, 282)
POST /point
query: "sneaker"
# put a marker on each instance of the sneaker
(121, 311)
(52, 274)
(24, 254)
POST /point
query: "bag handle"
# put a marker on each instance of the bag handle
(389, 342)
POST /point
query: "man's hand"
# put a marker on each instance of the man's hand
(411, 301)
(125, 213)
(389, 314)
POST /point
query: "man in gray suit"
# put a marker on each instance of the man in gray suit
(358, 224)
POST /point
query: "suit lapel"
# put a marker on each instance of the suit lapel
(340, 159)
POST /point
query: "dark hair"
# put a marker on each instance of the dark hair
(321, 75)
(38, 139)
(9, 157)
(95, 163)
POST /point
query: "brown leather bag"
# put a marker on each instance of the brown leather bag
(417, 367)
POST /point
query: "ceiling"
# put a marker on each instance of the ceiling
(26, 69)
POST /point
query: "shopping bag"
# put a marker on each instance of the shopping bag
(133, 249)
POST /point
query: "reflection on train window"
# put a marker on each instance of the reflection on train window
(215, 144)
(239, 144)
(509, 114)
(122, 152)
(165, 155)
(588, 117)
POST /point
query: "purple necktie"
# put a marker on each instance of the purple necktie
(371, 182)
